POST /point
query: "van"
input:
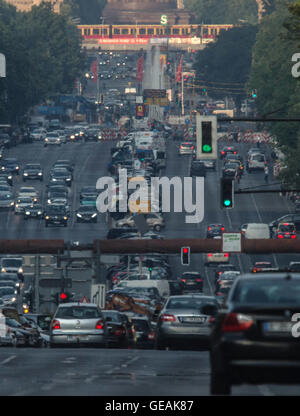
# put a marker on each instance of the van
(254, 230)
(257, 161)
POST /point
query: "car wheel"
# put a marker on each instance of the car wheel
(219, 384)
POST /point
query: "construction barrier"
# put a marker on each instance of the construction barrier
(109, 134)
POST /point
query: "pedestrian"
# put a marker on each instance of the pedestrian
(266, 174)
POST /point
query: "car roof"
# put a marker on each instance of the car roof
(84, 305)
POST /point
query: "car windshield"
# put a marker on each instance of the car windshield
(6, 291)
(287, 228)
(113, 317)
(141, 325)
(189, 303)
(12, 262)
(87, 209)
(268, 292)
(32, 166)
(77, 312)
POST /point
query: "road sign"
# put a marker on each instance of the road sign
(84, 299)
(232, 242)
(55, 283)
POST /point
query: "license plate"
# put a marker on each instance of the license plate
(191, 319)
(278, 327)
(190, 283)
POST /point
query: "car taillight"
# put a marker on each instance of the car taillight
(226, 255)
(181, 147)
(209, 228)
(198, 280)
(99, 325)
(209, 255)
(234, 153)
(293, 236)
(222, 229)
(167, 318)
(211, 319)
(222, 153)
(236, 322)
(55, 324)
(119, 332)
(183, 280)
(279, 236)
(151, 335)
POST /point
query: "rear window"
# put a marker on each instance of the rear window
(268, 292)
(191, 303)
(258, 158)
(140, 325)
(287, 228)
(77, 312)
(112, 317)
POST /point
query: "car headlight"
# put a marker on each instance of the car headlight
(54, 180)
(17, 284)
(27, 213)
(94, 215)
(3, 270)
(12, 204)
(17, 205)
(79, 215)
(35, 199)
(9, 177)
(65, 218)
(25, 174)
(58, 140)
(47, 217)
(49, 201)
(72, 137)
(17, 168)
(13, 299)
(39, 212)
(46, 140)
(20, 270)
(40, 173)
(68, 179)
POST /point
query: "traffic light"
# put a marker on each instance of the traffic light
(64, 297)
(206, 137)
(226, 197)
(254, 93)
(185, 256)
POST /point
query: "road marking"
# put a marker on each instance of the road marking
(208, 281)
(7, 360)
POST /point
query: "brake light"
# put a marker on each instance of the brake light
(226, 255)
(222, 153)
(198, 280)
(151, 335)
(55, 324)
(293, 236)
(167, 318)
(211, 319)
(209, 255)
(237, 322)
(99, 325)
(119, 332)
(279, 236)
(234, 153)
(181, 147)
(209, 228)
(222, 229)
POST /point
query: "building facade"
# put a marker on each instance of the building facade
(26, 5)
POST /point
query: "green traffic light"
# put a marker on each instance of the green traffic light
(227, 203)
(206, 148)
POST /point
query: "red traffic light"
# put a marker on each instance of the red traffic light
(185, 256)
(63, 296)
(185, 250)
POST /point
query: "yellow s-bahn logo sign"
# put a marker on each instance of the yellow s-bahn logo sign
(164, 19)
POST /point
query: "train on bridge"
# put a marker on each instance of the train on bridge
(142, 33)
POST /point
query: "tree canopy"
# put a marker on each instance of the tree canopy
(43, 57)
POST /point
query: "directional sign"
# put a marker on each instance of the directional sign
(232, 242)
(164, 19)
(55, 283)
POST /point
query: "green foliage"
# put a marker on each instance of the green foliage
(43, 57)
(223, 11)
(223, 66)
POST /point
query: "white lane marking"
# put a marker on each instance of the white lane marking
(265, 391)
(7, 360)
(208, 281)
(126, 364)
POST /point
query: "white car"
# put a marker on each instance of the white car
(52, 138)
(28, 191)
(216, 258)
(22, 203)
(38, 134)
(257, 161)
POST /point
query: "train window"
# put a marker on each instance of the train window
(116, 31)
(150, 31)
(96, 31)
(104, 31)
(205, 31)
(124, 31)
(142, 31)
(175, 31)
(86, 31)
(167, 31)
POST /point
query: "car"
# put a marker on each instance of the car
(197, 168)
(257, 231)
(38, 134)
(215, 258)
(224, 267)
(186, 148)
(93, 135)
(192, 281)
(260, 266)
(294, 218)
(52, 138)
(256, 161)
(208, 163)
(13, 278)
(176, 287)
(117, 332)
(226, 278)
(294, 266)
(61, 174)
(230, 170)
(186, 319)
(227, 149)
(22, 203)
(33, 171)
(222, 293)
(43, 321)
(86, 214)
(153, 220)
(56, 215)
(7, 200)
(64, 163)
(78, 324)
(62, 135)
(214, 230)
(12, 265)
(53, 196)
(28, 191)
(4, 188)
(6, 177)
(10, 165)
(88, 191)
(252, 339)
(285, 230)
(144, 332)
(8, 295)
(34, 211)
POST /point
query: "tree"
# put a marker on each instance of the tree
(223, 67)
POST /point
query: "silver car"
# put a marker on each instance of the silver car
(52, 138)
(186, 148)
(77, 324)
(7, 200)
(185, 319)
